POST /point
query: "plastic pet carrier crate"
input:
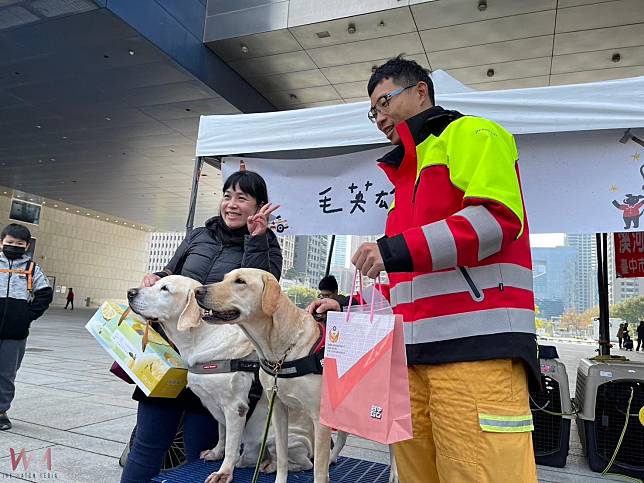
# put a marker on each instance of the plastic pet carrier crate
(551, 411)
(603, 392)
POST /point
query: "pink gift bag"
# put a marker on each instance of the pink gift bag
(365, 389)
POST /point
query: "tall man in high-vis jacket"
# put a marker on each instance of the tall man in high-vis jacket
(457, 253)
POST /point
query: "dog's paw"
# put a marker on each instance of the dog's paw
(214, 454)
(220, 477)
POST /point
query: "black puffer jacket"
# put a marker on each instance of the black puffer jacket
(207, 255)
(210, 252)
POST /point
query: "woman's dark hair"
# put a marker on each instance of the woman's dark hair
(250, 183)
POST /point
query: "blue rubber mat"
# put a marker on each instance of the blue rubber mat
(347, 470)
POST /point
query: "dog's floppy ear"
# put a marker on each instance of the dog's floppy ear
(191, 315)
(271, 295)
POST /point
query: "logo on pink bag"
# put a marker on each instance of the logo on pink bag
(376, 412)
(334, 334)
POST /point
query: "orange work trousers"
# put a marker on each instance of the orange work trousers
(471, 422)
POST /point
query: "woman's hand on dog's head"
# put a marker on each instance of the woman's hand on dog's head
(149, 280)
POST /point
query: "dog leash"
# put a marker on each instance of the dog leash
(276, 367)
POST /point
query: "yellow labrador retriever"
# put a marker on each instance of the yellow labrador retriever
(280, 331)
(171, 302)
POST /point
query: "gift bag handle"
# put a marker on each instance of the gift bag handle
(373, 294)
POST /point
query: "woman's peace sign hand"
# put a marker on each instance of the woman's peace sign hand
(258, 223)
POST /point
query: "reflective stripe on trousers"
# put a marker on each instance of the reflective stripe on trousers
(506, 424)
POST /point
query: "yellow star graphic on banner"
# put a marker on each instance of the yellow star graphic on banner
(613, 188)
(636, 156)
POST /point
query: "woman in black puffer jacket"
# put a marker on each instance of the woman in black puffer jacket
(238, 237)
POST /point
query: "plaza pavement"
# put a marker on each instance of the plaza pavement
(67, 402)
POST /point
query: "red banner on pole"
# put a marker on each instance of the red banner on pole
(629, 254)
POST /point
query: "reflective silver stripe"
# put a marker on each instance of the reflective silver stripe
(442, 246)
(486, 227)
(441, 283)
(401, 294)
(469, 324)
(452, 281)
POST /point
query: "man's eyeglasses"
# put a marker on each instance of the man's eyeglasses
(383, 102)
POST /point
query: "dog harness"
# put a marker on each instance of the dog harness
(247, 364)
(313, 363)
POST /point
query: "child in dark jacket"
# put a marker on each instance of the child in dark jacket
(25, 294)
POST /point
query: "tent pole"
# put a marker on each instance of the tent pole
(193, 195)
(328, 260)
(602, 282)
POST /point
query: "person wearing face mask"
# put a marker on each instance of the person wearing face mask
(238, 237)
(25, 294)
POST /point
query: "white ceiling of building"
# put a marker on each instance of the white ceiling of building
(526, 44)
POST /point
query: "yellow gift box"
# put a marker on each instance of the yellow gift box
(149, 360)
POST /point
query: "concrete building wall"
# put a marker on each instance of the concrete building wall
(99, 259)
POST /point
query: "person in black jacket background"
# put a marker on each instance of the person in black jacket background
(239, 237)
(25, 294)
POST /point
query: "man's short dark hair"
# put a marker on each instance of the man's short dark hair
(15, 230)
(403, 72)
(328, 283)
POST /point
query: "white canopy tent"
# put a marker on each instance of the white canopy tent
(580, 107)
(580, 146)
(576, 155)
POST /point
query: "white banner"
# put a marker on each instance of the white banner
(573, 182)
(344, 195)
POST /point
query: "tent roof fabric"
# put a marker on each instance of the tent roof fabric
(581, 107)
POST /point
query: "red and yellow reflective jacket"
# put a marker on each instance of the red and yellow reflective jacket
(456, 245)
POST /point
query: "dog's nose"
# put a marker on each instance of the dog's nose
(131, 293)
(200, 292)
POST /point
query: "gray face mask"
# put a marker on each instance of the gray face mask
(12, 252)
